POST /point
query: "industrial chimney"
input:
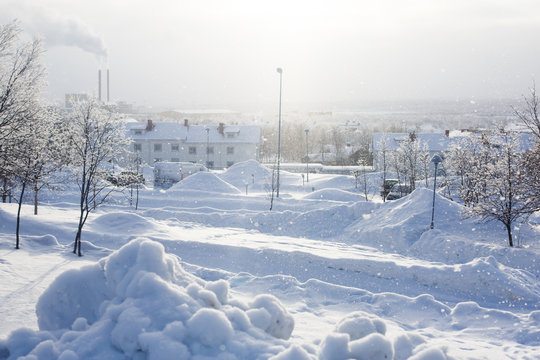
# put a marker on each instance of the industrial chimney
(99, 85)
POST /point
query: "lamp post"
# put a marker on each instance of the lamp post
(280, 71)
(307, 156)
(207, 148)
(436, 159)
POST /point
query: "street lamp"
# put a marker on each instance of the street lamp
(280, 71)
(207, 148)
(436, 159)
(307, 156)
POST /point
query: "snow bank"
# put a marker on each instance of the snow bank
(396, 225)
(248, 172)
(121, 223)
(333, 181)
(334, 195)
(45, 240)
(205, 181)
(139, 303)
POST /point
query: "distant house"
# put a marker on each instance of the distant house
(390, 142)
(216, 147)
(436, 143)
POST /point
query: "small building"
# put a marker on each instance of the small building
(216, 147)
(435, 143)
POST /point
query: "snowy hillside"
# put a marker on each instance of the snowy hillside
(204, 271)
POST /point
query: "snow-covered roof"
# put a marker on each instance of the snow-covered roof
(195, 133)
(434, 141)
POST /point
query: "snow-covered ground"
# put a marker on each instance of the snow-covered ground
(205, 271)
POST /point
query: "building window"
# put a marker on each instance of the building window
(192, 150)
(175, 159)
(157, 147)
(230, 150)
(230, 163)
(210, 164)
(210, 150)
(175, 147)
(137, 147)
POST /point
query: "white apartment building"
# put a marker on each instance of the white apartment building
(216, 147)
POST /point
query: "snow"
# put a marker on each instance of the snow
(205, 181)
(203, 271)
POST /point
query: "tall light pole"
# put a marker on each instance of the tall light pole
(280, 71)
(207, 129)
(307, 156)
(436, 159)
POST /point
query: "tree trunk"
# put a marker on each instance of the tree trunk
(79, 252)
(77, 237)
(509, 231)
(137, 201)
(4, 190)
(77, 245)
(36, 198)
(19, 216)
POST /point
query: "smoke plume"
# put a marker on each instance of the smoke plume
(54, 28)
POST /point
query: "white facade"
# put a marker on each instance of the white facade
(216, 147)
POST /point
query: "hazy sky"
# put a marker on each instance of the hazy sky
(224, 53)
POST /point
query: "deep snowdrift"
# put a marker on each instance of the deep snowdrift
(204, 181)
(334, 195)
(140, 303)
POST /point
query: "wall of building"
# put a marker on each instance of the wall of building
(221, 157)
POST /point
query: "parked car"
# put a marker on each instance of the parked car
(387, 186)
(398, 191)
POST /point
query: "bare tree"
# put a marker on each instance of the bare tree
(37, 153)
(504, 197)
(529, 113)
(21, 79)
(408, 154)
(424, 159)
(529, 116)
(338, 144)
(321, 140)
(97, 137)
(383, 161)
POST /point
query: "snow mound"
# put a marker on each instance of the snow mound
(47, 240)
(334, 195)
(121, 222)
(337, 182)
(139, 303)
(246, 172)
(396, 225)
(363, 336)
(358, 336)
(205, 181)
